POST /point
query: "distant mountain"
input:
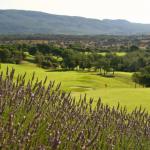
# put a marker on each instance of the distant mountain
(32, 22)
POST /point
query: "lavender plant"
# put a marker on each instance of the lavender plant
(35, 116)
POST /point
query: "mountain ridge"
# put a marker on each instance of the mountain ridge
(35, 22)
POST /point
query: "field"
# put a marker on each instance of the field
(111, 90)
(117, 53)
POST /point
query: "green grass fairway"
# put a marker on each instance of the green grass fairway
(119, 89)
(117, 53)
(129, 97)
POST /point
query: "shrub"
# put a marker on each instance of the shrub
(33, 116)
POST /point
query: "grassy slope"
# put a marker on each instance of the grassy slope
(119, 89)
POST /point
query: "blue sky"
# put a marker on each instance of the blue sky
(132, 10)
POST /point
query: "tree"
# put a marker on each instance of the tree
(133, 48)
(39, 58)
(5, 55)
(143, 77)
(17, 56)
(69, 58)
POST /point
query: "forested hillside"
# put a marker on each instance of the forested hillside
(18, 21)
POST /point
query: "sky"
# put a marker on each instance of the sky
(131, 10)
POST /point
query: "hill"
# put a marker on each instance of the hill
(32, 22)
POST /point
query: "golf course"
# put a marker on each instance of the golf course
(119, 89)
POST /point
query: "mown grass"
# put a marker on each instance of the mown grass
(129, 97)
(117, 53)
(111, 90)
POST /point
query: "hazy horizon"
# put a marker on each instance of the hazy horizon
(133, 11)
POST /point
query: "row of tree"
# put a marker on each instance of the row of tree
(50, 56)
(70, 59)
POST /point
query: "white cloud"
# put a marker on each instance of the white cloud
(132, 10)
